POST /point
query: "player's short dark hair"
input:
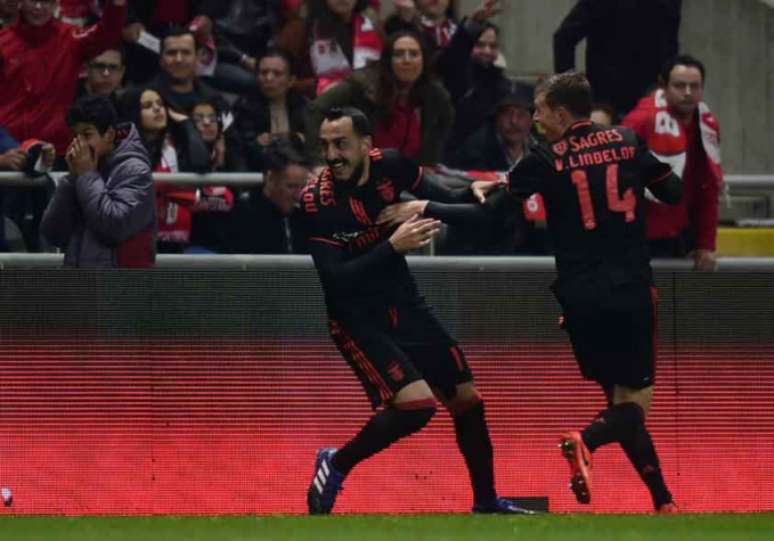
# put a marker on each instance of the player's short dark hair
(605, 108)
(570, 90)
(682, 60)
(360, 122)
(176, 32)
(284, 54)
(282, 151)
(96, 110)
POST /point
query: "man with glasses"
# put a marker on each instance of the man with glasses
(104, 75)
(40, 59)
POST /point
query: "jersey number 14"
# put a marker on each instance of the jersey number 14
(615, 203)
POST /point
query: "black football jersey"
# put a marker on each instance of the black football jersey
(355, 261)
(593, 183)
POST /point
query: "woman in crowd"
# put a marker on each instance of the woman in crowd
(210, 212)
(174, 146)
(409, 109)
(329, 40)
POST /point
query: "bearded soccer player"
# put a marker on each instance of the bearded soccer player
(400, 352)
(592, 179)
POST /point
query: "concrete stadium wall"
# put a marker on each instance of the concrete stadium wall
(735, 39)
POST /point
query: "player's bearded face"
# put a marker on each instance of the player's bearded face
(346, 169)
(343, 149)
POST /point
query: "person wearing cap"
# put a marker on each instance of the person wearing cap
(39, 54)
(103, 212)
(498, 145)
(502, 141)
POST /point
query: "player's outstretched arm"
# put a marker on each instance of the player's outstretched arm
(433, 188)
(467, 214)
(530, 174)
(667, 189)
(659, 178)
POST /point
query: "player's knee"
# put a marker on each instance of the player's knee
(416, 414)
(466, 399)
(640, 397)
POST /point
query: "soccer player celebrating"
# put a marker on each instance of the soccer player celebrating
(592, 179)
(379, 322)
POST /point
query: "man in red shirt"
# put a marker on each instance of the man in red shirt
(40, 59)
(680, 130)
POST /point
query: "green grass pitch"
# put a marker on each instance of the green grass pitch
(581, 527)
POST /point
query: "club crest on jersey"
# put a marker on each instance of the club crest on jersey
(387, 190)
(560, 148)
(395, 371)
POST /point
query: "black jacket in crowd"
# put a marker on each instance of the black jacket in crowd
(257, 227)
(242, 26)
(476, 89)
(184, 103)
(510, 233)
(627, 43)
(252, 117)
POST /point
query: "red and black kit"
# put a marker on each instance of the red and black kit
(593, 182)
(377, 318)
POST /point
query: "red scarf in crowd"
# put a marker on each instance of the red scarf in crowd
(440, 34)
(668, 139)
(173, 202)
(329, 62)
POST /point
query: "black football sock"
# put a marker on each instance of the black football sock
(474, 443)
(641, 452)
(382, 430)
(612, 424)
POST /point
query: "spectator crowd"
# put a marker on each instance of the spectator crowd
(242, 86)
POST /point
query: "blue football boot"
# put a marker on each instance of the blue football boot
(501, 506)
(326, 483)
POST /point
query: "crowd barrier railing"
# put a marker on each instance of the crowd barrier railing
(255, 179)
(471, 264)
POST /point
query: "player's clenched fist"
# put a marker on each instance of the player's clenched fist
(414, 233)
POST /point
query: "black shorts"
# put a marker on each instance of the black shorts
(389, 348)
(612, 329)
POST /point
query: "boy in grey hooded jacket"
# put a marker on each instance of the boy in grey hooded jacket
(103, 213)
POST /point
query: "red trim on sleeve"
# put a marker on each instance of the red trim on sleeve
(659, 179)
